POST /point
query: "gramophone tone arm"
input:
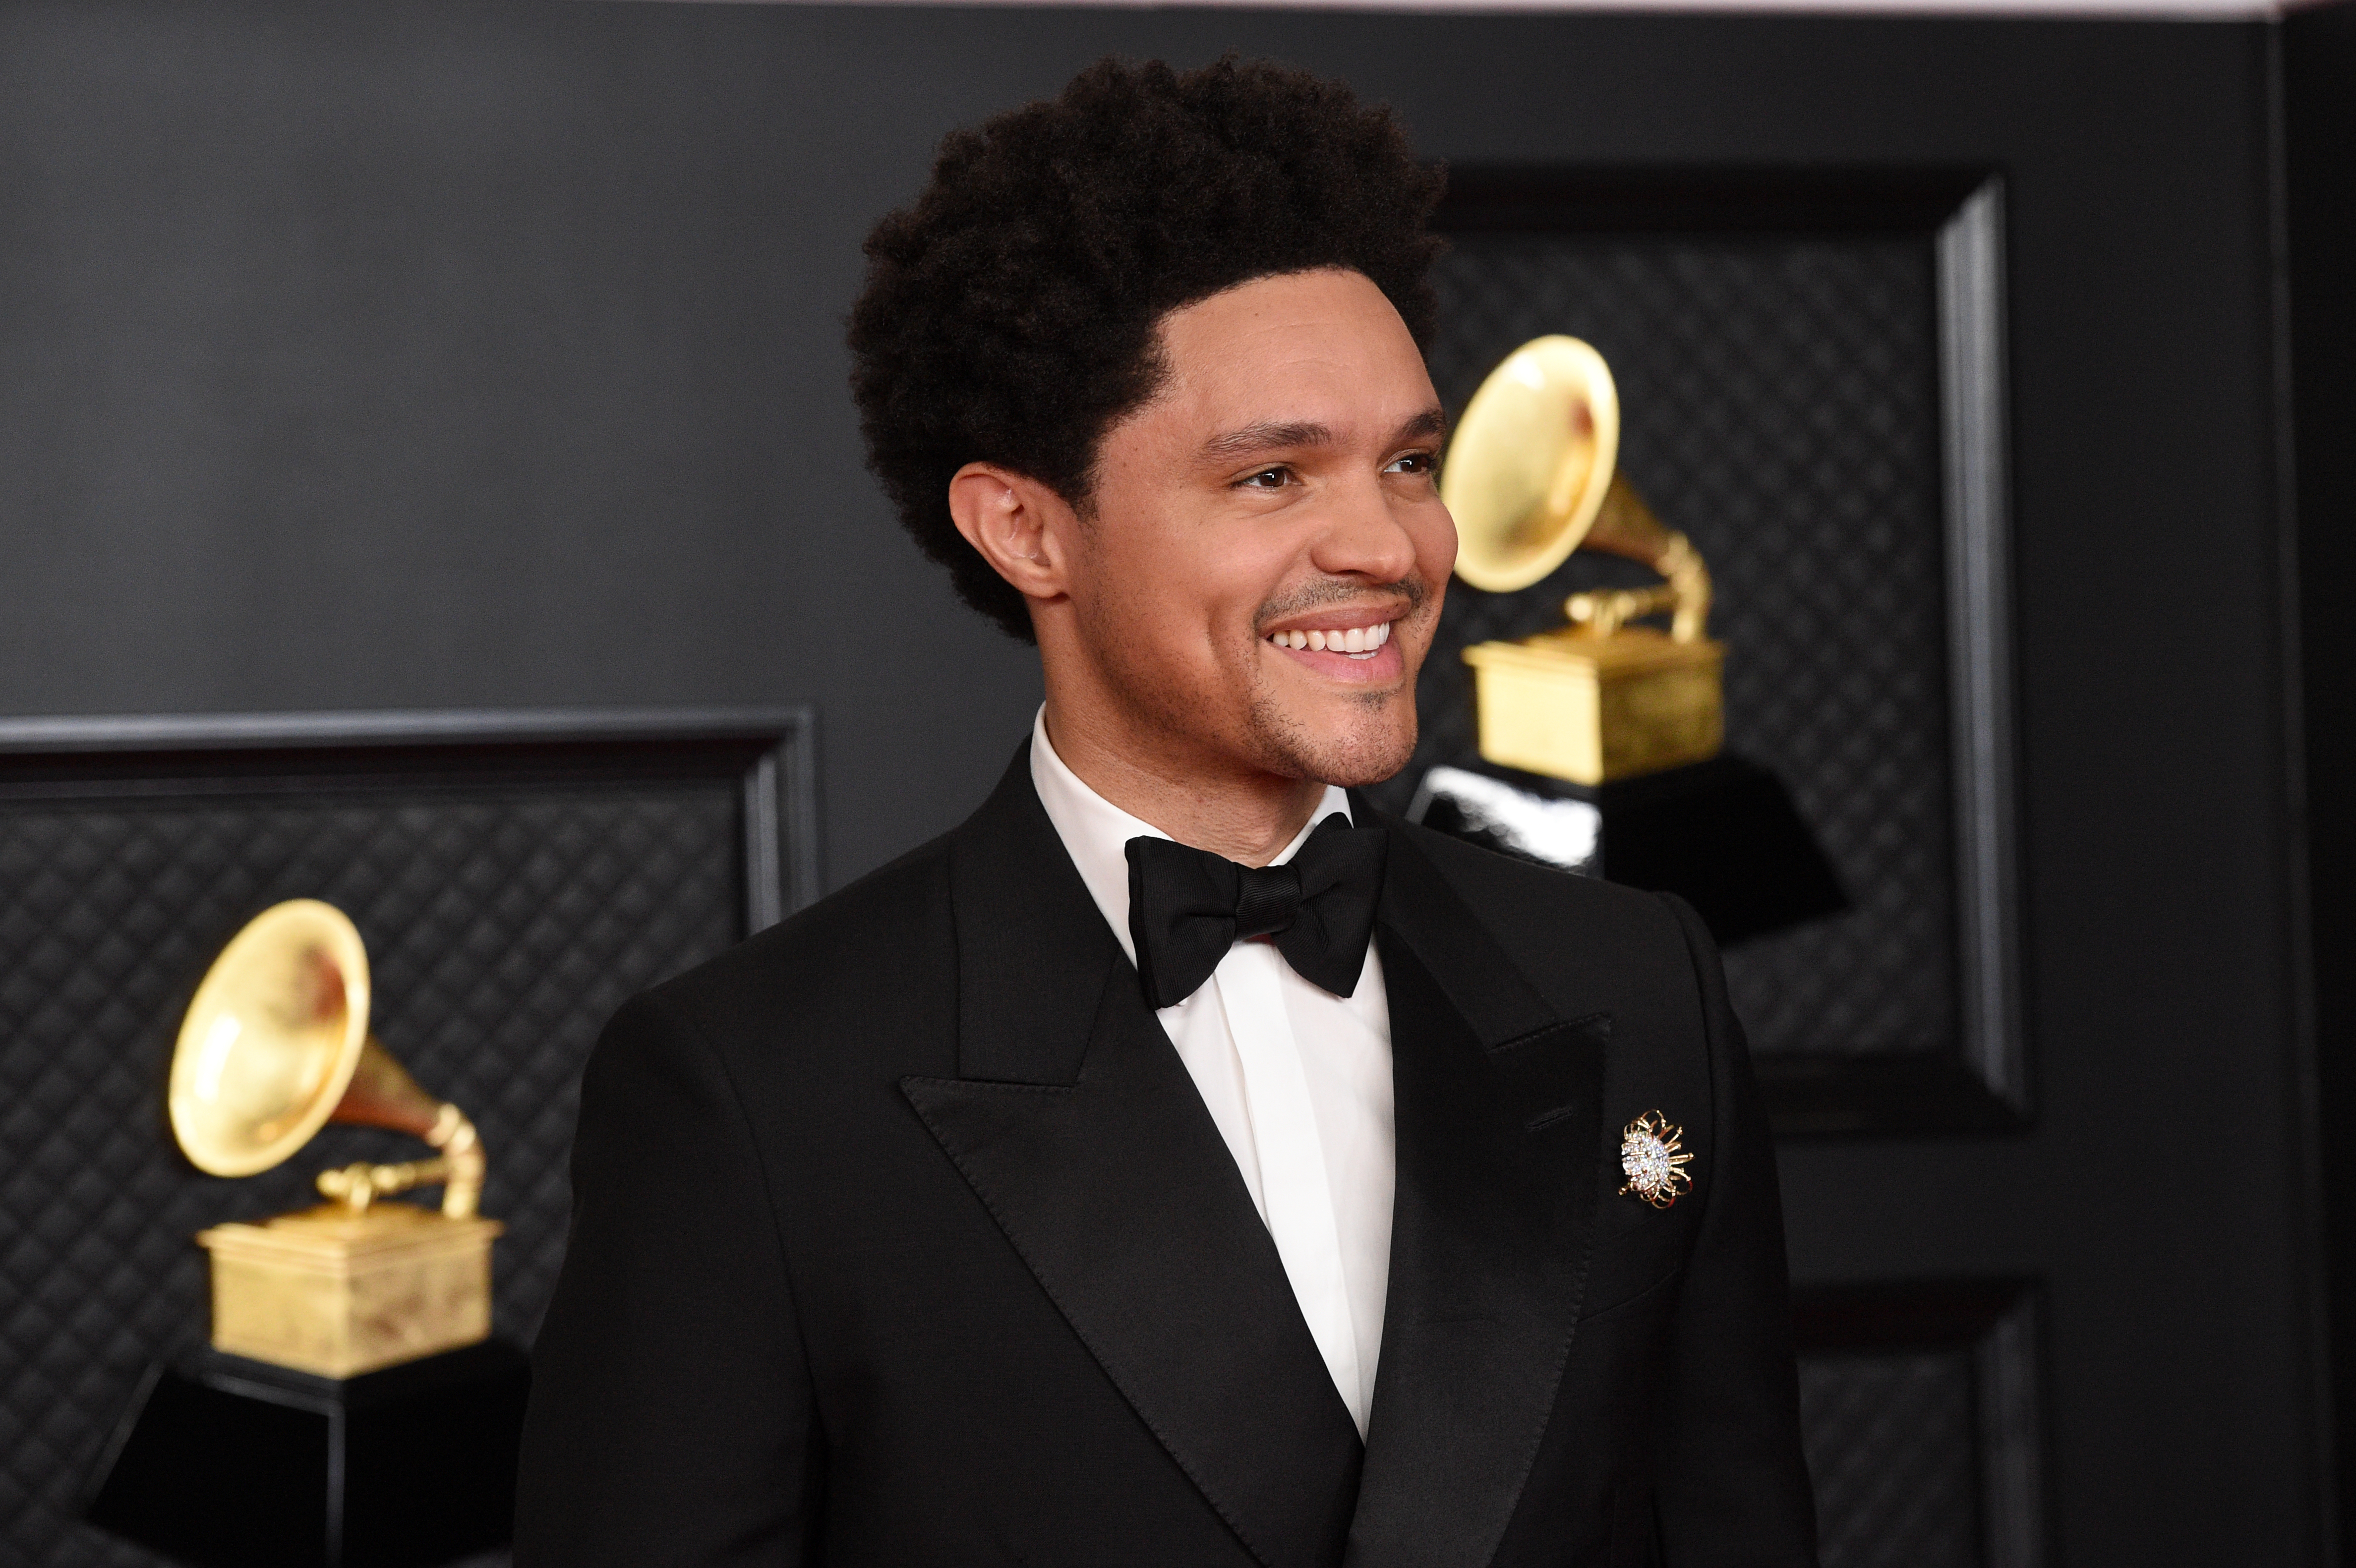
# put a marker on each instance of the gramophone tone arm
(360, 1185)
(462, 1152)
(459, 1171)
(1605, 611)
(1684, 597)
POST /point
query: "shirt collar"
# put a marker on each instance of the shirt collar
(1096, 832)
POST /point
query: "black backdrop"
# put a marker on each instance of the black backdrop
(488, 357)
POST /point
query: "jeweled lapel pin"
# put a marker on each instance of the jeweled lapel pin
(1648, 1153)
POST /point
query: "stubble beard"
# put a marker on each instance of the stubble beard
(1374, 745)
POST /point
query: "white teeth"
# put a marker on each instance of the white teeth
(1360, 640)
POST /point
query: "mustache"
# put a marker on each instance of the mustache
(1408, 593)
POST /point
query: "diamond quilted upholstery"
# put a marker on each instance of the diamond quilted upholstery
(1892, 1442)
(1780, 405)
(504, 923)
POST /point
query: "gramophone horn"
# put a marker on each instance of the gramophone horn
(275, 1045)
(1530, 462)
(1532, 476)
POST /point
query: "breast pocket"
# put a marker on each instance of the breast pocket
(1616, 1284)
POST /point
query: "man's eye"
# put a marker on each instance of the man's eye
(1414, 463)
(1267, 479)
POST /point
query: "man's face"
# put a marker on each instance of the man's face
(1280, 492)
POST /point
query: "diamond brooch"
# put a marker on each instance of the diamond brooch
(1648, 1153)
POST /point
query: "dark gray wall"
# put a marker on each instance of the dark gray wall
(489, 356)
(480, 356)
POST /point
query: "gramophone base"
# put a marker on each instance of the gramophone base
(1597, 709)
(340, 1295)
(1722, 835)
(223, 1461)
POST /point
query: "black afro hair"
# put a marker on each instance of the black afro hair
(1009, 314)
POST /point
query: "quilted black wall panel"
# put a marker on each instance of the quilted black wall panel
(1919, 1411)
(511, 898)
(1893, 1447)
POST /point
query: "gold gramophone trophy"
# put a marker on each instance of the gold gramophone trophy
(1622, 723)
(275, 1045)
(1530, 477)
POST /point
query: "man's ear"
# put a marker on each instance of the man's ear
(1023, 529)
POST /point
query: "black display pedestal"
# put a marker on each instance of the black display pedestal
(227, 1463)
(1722, 835)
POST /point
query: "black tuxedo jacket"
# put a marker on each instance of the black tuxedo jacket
(901, 1237)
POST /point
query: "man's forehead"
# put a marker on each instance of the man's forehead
(1311, 349)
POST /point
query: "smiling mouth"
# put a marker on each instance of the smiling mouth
(1355, 642)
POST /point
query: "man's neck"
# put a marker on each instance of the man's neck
(1245, 815)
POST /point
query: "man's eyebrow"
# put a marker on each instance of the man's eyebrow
(1265, 436)
(1431, 423)
(1276, 435)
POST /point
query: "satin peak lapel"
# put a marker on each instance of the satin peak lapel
(1078, 1127)
(1500, 1112)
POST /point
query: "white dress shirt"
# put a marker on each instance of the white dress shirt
(1297, 1079)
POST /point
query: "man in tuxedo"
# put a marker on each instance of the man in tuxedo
(1181, 1162)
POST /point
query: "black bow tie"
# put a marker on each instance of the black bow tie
(1188, 907)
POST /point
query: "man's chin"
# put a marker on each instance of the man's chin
(1357, 754)
(1350, 778)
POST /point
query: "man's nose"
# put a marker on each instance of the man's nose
(1364, 537)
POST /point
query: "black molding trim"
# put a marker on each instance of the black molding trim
(2315, 152)
(1819, 1095)
(76, 733)
(1997, 1321)
(1973, 412)
(1758, 199)
(1985, 1084)
(772, 749)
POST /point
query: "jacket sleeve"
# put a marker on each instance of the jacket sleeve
(1730, 1486)
(671, 1419)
